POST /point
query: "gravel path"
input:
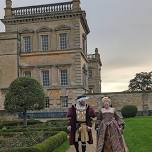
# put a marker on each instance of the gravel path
(90, 148)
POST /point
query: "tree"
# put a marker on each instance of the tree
(24, 94)
(141, 82)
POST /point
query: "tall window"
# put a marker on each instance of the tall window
(47, 102)
(84, 39)
(64, 101)
(63, 39)
(90, 73)
(44, 42)
(27, 44)
(64, 77)
(45, 78)
(27, 74)
(84, 69)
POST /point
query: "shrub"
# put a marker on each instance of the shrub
(52, 143)
(129, 111)
(24, 94)
(35, 129)
(57, 123)
(10, 124)
(47, 145)
(26, 149)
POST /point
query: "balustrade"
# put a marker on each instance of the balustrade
(42, 9)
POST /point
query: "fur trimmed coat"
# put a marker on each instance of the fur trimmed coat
(90, 113)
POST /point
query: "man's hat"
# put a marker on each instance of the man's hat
(80, 98)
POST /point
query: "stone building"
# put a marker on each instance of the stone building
(49, 44)
(94, 72)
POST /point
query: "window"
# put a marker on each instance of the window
(45, 78)
(64, 77)
(90, 73)
(63, 40)
(27, 45)
(44, 42)
(84, 75)
(90, 90)
(64, 101)
(47, 102)
(27, 74)
(84, 39)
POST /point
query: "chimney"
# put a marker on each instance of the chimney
(76, 5)
(8, 9)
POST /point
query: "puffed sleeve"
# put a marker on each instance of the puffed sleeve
(92, 112)
(119, 119)
(99, 119)
(69, 115)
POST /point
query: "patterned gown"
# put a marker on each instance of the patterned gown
(109, 136)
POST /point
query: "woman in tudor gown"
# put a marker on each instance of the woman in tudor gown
(109, 128)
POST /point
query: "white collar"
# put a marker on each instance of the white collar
(111, 110)
(79, 107)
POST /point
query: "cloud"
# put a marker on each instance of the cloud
(117, 79)
(122, 30)
(113, 87)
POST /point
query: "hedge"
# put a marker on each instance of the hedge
(26, 149)
(11, 134)
(52, 143)
(17, 123)
(35, 129)
(47, 145)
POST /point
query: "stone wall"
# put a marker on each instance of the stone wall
(143, 101)
(8, 58)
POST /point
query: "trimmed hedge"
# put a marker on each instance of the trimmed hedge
(52, 143)
(11, 134)
(17, 123)
(47, 145)
(26, 149)
(129, 111)
(57, 123)
(34, 129)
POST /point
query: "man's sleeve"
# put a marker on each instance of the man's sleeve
(69, 115)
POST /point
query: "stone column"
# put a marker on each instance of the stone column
(8, 9)
(76, 5)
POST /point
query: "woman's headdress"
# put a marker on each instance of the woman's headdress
(106, 99)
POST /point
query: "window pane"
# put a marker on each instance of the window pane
(47, 102)
(44, 42)
(63, 40)
(27, 44)
(90, 73)
(64, 77)
(45, 78)
(84, 44)
(27, 73)
(64, 101)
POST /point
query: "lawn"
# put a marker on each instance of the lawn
(138, 134)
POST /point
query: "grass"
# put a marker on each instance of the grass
(138, 134)
(63, 147)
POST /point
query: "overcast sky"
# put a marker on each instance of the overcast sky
(121, 29)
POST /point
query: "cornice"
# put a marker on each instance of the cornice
(52, 52)
(41, 17)
(42, 66)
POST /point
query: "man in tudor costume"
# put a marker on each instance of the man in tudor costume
(80, 123)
